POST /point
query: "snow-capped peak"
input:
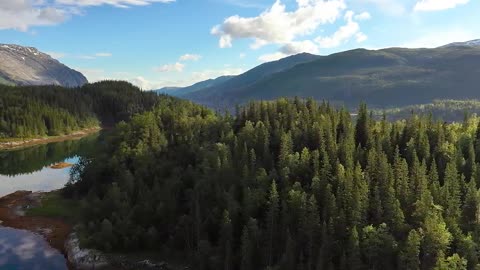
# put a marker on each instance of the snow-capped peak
(471, 43)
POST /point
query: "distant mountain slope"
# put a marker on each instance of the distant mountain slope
(28, 66)
(382, 78)
(167, 90)
(252, 76)
(471, 43)
(181, 91)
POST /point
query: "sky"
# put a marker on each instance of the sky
(158, 43)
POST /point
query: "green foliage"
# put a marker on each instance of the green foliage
(288, 184)
(36, 111)
(55, 205)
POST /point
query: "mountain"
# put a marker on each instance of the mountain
(167, 90)
(250, 77)
(181, 91)
(471, 43)
(27, 66)
(381, 78)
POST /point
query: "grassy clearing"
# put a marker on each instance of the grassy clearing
(53, 205)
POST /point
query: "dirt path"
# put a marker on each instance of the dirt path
(15, 144)
(12, 214)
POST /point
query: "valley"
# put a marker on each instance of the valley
(316, 175)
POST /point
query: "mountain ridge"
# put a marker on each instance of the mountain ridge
(382, 78)
(21, 65)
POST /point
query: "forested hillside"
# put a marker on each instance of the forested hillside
(446, 110)
(381, 78)
(32, 111)
(286, 185)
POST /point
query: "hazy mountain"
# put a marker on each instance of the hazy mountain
(167, 90)
(382, 78)
(28, 66)
(252, 76)
(471, 43)
(180, 91)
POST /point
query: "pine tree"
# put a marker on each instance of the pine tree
(410, 254)
(272, 223)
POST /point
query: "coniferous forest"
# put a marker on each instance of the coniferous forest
(286, 184)
(33, 111)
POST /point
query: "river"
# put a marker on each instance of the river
(29, 169)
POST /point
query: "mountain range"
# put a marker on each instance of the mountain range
(28, 66)
(382, 78)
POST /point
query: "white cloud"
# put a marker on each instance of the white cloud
(436, 38)
(363, 16)
(94, 75)
(103, 54)
(296, 47)
(203, 75)
(242, 55)
(190, 57)
(435, 5)
(115, 3)
(86, 57)
(343, 34)
(360, 37)
(272, 57)
(177, 67)
(23, 14)
(390, 7)
(277, 25)
(145, 84)
(291, 48)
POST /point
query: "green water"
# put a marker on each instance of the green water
(28, 168)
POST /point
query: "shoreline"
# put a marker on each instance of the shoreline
(60, 235)
(13, 209)
(21, 143)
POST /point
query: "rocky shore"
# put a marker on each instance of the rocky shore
(61, 235)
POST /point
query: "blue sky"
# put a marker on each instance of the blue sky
(156, 43)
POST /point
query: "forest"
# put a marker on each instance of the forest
(285, 184)
(447, 110)
(35, 111)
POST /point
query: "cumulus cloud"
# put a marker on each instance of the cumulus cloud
(343, 34)
(190, 57)
(347, 32)
(177, 67)
(435, 5)
(23, 14)
(285, 28)
(277, 25)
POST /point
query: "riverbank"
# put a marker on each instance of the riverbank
(16, 143)
(13, 213)
(52, 217)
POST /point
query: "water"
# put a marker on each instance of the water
(29, 169)
(23, 250)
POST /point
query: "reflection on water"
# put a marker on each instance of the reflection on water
(35, 158)
(23, 250)
(28, 168)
